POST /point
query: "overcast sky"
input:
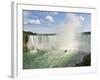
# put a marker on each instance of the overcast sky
(47, 21)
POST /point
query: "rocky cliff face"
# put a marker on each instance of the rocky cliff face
(25, 40)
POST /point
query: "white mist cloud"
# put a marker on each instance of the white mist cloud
(32, 21)
(26, 22)
(67, 32)
(49, 18)
(37, 21)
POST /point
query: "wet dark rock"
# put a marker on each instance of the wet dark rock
(86, 61)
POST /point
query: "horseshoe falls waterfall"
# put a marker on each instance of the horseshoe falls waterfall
(66, 47)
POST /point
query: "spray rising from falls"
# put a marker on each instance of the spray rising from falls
(67, 32)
